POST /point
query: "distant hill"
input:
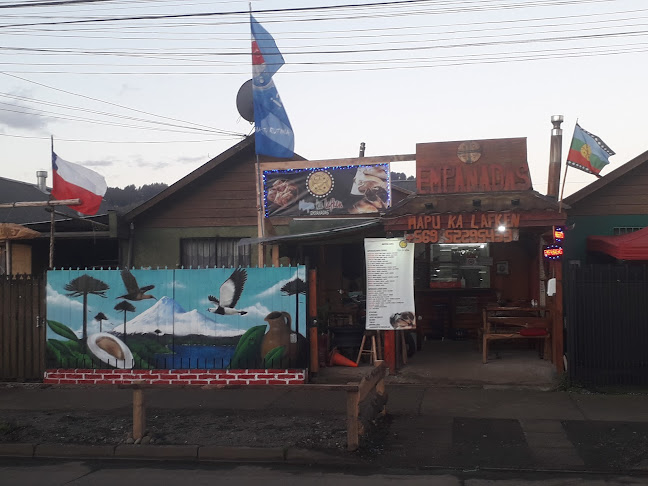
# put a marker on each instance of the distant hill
(131, 196)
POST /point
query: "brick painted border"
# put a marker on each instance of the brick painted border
(175, 377)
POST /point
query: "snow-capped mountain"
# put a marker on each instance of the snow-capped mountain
(169, 317)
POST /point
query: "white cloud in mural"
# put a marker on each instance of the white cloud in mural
(55, 298)
(258, 310)
(276, 288)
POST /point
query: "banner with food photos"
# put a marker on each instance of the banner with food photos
(356, 189)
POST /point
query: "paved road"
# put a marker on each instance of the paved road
(111, 473)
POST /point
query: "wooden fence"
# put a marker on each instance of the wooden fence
(22, 327)
(607, 324)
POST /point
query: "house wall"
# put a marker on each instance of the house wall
(160, 247)
(222, 202)
(225, 196)
(575, 243)
(621, 203)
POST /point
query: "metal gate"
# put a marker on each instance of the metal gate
(607, 324)
(22, 327)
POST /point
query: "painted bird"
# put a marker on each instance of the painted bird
(134, 291)
(230, 292)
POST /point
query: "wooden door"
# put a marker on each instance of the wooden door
(22, 327)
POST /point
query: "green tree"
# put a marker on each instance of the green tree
(82, 287)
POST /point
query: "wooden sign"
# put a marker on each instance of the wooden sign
(463, 228)
(450, 236)
(472, 166)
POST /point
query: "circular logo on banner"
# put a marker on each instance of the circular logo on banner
(402, 243)
(319, 183)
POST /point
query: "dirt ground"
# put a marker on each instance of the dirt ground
(242, 428)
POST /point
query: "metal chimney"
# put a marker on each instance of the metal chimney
(362, 149)
(41, 180)
(555, 156)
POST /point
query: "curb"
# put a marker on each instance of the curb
(186, 453)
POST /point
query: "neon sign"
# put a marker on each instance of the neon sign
(553, 252)
(558, 233)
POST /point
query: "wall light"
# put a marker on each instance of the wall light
(429, 205)
(501, 228)
(477, 203)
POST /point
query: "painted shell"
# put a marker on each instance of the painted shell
(111, 350)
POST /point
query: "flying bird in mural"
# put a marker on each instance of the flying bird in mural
(134, 291)
(230, 292)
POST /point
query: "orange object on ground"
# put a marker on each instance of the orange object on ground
(338, 359)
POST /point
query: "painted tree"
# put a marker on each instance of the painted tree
(100, 317)
(295, 287)
(82, 287)
(125, 306)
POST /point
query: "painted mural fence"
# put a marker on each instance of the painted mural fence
(178, 319)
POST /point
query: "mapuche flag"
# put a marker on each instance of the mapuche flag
(588, 152)
(273, 133)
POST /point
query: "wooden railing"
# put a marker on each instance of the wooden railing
(364, 401)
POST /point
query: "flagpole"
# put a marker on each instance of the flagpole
(562, 189)
(259, 183)
(52, 217)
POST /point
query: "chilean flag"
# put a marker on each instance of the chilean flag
(72, 181)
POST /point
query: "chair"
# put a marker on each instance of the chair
(371, 351)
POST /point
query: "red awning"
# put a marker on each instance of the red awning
(631, 246)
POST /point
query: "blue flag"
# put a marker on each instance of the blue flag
(273, 133)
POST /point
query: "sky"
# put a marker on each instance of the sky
(144, 91)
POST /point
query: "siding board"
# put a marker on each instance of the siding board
(226, 197)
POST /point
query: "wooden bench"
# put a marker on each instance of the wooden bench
(516, 323)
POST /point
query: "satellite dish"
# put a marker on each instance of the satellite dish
(244, 101)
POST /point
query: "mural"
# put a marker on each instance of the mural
(177, 319)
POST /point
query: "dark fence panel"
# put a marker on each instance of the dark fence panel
(22, 328)
(607, 324)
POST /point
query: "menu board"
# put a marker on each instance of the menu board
(390, 284)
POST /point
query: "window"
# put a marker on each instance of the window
(460, 265)
(214, 252)
(625, 229)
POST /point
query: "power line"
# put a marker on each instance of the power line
(299, 9)
(117, 141)
(224, 132)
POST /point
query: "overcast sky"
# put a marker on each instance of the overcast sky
(145, 91)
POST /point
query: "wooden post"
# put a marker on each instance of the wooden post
(314, 349)
(353, 431)
(389, 341)
(139, 414)
(274, 249)
(51, 240)
(557, 317)
(380, 386)
(312, 314)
